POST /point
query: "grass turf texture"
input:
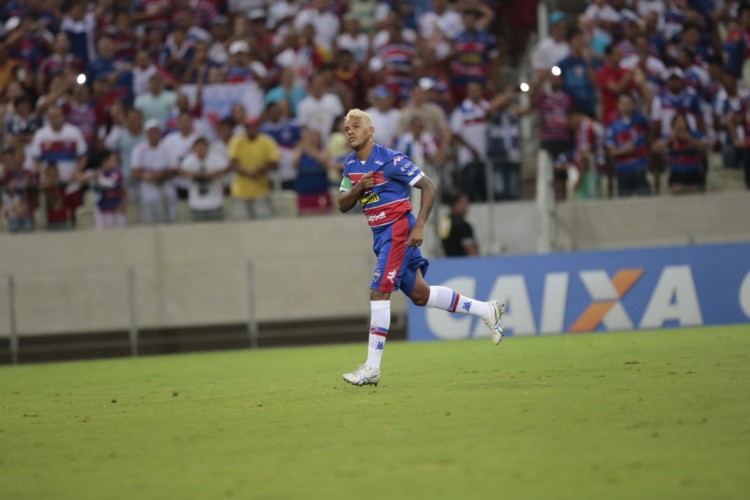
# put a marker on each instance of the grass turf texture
(635, 415)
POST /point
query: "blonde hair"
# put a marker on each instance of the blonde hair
(361, 115)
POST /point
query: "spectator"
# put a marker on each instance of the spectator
(157, 103)
(469, 126)
(385, 116)
(122, 139)
(589, 157)
(64, 145)
(728, 100)
(325, 22)
(628, 146)
(613, 80)
(421, 147)
(151, 167)
(287, 133)
(79, 25)
(350, 77)
(141, 74)
(105, 64)
(739, 128)
(397, 54)
(553, 49)
(312, 162)
(252, 156)
(456, 233)
(432, 115)
(354, 40)
(58, 211)
(651, 66)
(675, 98)
(21, 123)
(56, 63)
(178, 144)
(338, 149)
(685, 150)
(553, 104)
(218, 52)
(19, 191)
(442, 19)
(123, 36)
(205, 169)
(111, 193)
(579, 73)
(475, 55)
(286, 90)
(80, 111)
(176, 54)
(503, 144)
(320, 108)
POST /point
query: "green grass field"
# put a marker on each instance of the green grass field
(660, 414)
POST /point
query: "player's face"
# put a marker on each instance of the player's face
(357, 134)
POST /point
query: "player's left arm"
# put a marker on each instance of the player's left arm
(429, 191)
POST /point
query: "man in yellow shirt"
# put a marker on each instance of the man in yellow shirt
(252, 156)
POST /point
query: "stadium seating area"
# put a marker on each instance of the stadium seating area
(118, 112)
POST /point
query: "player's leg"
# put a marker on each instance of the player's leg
(390, 248)
(441, 297)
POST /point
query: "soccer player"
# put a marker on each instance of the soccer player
(381, 179)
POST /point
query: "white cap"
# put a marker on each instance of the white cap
(238, 46)
(673, 71)
(152, 123)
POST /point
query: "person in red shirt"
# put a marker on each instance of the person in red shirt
(614, 80)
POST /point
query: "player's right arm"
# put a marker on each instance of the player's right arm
(349, 193)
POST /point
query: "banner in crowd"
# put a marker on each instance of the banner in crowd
(594, 291)
(218, 98)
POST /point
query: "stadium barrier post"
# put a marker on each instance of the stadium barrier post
(545, 203)
(132, 313)
(252, 320)
(12, 318)
(489, 176)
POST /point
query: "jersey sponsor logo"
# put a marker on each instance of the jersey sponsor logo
(378, 162)
(376, 217)
(369, 198)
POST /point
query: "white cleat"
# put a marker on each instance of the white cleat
(494, 321)
(364, 375)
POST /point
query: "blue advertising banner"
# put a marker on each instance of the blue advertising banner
(611, 290)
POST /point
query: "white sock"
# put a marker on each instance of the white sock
(380, 321)
(449, 300)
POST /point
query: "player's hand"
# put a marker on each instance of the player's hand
(416, 237)
(367, 181)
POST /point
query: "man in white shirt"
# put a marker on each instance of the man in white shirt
(204, 167)
(320, 108)
(551, 50)
(469, 126)
(179, 143)
(326, 23)
(384, 115)
(150, 163)
(63, 144)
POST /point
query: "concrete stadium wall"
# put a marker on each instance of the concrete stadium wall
(192, 275)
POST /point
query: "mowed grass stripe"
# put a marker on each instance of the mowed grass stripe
(659, 414)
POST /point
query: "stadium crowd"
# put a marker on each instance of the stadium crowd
(149, 104)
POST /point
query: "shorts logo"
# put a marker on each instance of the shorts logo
(376, 275)
(391, 276)
(376, 217)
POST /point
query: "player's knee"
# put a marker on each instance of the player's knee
(419, 297)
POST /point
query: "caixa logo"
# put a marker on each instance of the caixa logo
(584, 301)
